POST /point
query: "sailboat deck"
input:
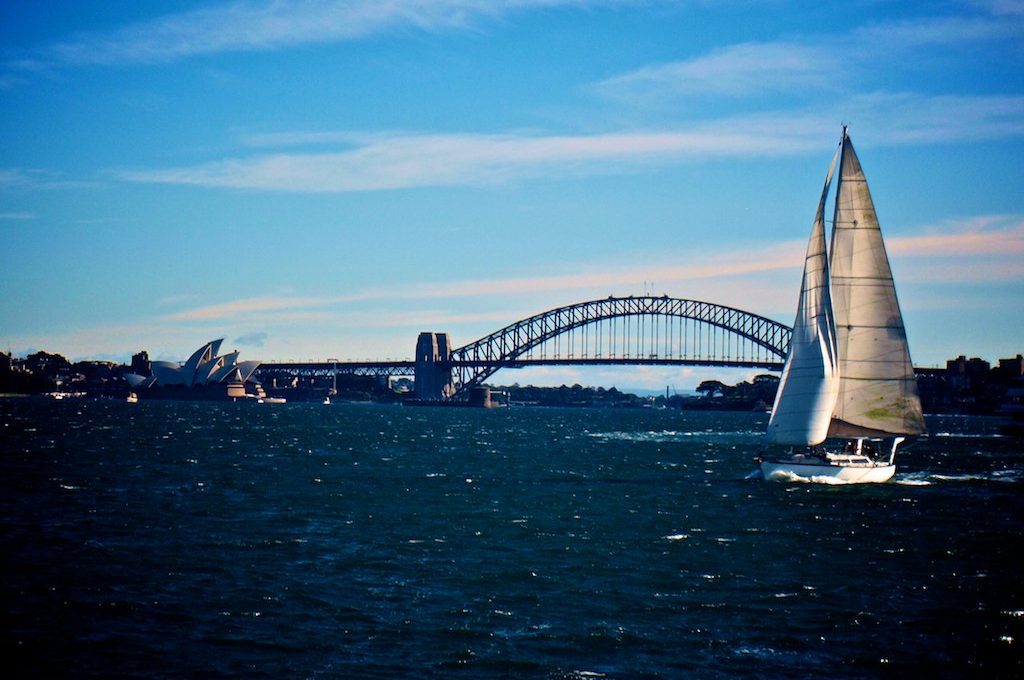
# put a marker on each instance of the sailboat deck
(831, 459)
(851, 460)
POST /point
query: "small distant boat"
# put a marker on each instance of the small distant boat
(272, 400)
(132, 398)
(327, 401)
(848, 382)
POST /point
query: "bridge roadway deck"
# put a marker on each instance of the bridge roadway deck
(320, 368)
(404, 368)
(401, 368)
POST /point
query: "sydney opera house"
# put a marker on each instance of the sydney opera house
(204, 376)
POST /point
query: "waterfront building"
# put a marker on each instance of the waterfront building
(1012, 368)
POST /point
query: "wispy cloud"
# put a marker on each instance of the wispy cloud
(734, 70)
(427, 318)
(593, 281)
(985, 248)
(952, 273)
(32, 179)
(246, 307)
(429, 160)
(943, 31)
(18, 216)
(259, 25)
(1001, 7)
(608, 279)
(253, 339)
(992, 235)
(374, 162)
(805, 65)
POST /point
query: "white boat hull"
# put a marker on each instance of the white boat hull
(826, 473)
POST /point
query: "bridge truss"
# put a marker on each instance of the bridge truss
(630, 330)
(626, 330)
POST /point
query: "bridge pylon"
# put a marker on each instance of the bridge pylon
(433, 372)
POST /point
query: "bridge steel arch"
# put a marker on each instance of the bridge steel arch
(472, 364)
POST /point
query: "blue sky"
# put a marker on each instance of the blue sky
(326, 179)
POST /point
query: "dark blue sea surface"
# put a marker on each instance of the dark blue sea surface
(210, 540)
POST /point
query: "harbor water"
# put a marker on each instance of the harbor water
(212, 540)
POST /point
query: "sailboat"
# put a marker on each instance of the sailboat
(848, 395)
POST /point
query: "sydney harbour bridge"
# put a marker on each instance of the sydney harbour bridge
(634, 330)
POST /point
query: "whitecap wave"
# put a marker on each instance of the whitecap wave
(968, 435)
(670, 435)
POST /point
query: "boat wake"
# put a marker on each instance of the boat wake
(925, 478)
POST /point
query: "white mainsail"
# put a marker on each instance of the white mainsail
(877, 391)
(810, 379)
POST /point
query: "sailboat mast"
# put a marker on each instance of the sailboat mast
(839, 186)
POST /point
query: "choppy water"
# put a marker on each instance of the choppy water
(303, 540)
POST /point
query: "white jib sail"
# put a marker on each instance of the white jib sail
(810, 380)
(877, 387)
